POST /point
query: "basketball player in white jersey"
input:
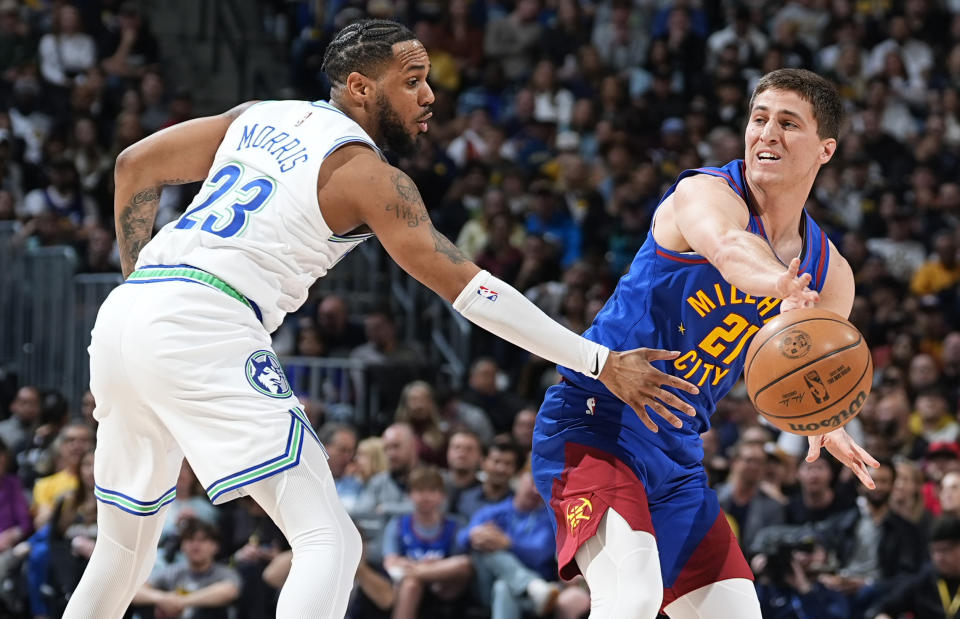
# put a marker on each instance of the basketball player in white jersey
(181, 359)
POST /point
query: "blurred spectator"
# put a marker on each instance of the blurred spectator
(941, 271)
(522, 430)
(483, 391)
(191, 502)
(932, 418)
(17, 430)
(510, 40)
(337, 329)
(464, 456)
(925, 595)
(513, 552)
(789, 588)
(73, 441)
(501, 463)
(340, 442)
(420, 550)
(816, 499)
(418, 407)
(950, 495)
(254, 540)
(15, 521)
(71, 538)
(128, 48)
(201, 588)
(386, 494)
(742, 498)
(67, 51)
(63, 197)
(874, 546)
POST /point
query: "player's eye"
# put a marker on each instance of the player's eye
(413, 81)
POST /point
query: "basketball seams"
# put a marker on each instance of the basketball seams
(749, 364)
(866, 368)
(859, 341)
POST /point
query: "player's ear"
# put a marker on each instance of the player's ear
(827, 148)
(359, 87)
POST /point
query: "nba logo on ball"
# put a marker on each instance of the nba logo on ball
(265, 374)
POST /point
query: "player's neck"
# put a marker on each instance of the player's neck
(780, 207)
(358, 115)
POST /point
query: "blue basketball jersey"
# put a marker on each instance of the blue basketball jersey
(679, 301)
(415, 547)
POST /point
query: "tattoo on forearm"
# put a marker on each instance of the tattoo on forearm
(135, 225)
(409, 205)
(442, 245)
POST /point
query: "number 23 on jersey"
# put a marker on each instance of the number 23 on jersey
(240, 202)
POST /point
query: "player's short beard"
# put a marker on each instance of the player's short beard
(395, 138)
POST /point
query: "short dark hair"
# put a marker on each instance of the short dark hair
(506, 444)
(191, 527)
(363, 46)
(812, 88)
(330, 429)
(947, 529)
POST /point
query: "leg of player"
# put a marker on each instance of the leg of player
(622, 568)
(326, 544)
(735, 597)
(121, 561)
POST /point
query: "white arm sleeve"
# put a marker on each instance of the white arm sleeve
(499, 308)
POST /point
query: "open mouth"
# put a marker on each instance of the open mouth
(767, 157)
(422, 123)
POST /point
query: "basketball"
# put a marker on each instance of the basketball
(808, 371)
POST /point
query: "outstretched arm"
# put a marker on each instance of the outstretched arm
(392, 207)
(179, 154)
(711, 219)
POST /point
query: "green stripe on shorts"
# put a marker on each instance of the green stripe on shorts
(193, 274)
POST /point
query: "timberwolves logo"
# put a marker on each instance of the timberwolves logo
(266, 376)
(795, 344)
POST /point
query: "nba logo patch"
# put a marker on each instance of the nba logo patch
(486, 293)
(265, 374)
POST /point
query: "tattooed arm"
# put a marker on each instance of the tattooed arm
(179, 154)
(391, 206)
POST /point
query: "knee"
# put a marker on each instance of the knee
(638, 602)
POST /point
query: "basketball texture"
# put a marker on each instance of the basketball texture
(808, 371)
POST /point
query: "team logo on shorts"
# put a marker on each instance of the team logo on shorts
(578, 511)
(265, 374)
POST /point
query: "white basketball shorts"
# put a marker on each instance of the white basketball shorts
(181, 366)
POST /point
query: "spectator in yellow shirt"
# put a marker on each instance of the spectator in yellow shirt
(74, 440)
(940, 271)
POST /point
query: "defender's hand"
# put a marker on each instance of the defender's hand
(794, 290)
(630, 377)
(842, 446)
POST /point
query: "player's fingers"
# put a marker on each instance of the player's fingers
(863, 475)
(865, 457)
(794, 267)
(676, 382)
(656, 354)
(814, 451)
(672, 400)
(640, 408)
(664, 412)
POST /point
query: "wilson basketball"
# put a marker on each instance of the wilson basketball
(808, 371)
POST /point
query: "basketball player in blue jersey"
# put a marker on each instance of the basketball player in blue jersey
(729, 248)
(181, 362)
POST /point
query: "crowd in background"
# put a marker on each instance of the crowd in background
(557, 126)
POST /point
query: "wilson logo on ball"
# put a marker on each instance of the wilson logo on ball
(835, 421)
(795, 344)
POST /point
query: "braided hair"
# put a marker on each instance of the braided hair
(362, 47)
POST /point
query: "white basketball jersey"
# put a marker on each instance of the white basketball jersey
(256, 223)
